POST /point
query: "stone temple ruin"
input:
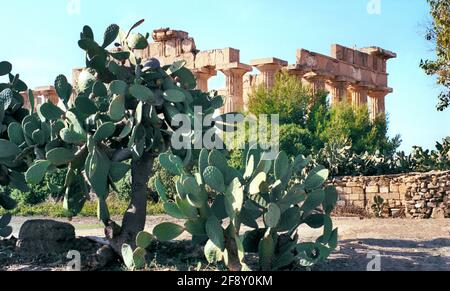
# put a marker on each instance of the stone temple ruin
(356, 75)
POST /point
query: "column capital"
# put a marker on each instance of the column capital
(268, 64)
(202, 75)
(235, 68)
(360, 87)
(209, 71)
(380, 92)
(318, 76)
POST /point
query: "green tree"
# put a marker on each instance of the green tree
(288, 98)
(346, 123)
(439, 34)
(295, 140)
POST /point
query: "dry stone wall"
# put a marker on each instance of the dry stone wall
(418, 195)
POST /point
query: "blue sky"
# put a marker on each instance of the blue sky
(40, 39)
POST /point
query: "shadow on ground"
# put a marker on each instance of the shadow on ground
(394, 255)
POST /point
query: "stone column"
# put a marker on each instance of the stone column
(359, 95)
(338, 90)
(377, 103)
(203, 75)
(297, 71)
(234, 73)
(268, 68)
(315, 81)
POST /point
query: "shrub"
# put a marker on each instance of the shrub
(349, 124)
(295, 140)
(50, 187)
(288, 98)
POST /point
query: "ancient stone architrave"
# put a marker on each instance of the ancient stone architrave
(358, 76)
(41, 95)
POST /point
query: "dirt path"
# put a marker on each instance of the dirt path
(403, 244)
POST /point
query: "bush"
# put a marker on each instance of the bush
(50, 187)
(56, 210)
(346, 123)
(124, 188)
(295, 140)
(288, 98)
(165, 177)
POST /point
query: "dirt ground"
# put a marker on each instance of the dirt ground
(400, 244)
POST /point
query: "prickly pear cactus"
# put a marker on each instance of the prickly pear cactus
(121, 108)
(273, 198)
(18, 147)
(135, 259)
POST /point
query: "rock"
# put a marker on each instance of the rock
(41, 237)
(419, 205)
(432, 204)
(438, 213)
(394, 212)
(46, 230)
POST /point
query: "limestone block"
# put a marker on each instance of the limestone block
(384, 189)
(354, 197)
(171, 48)
(357, 190)
(157, 50)
(394, 188)
(188, 57)
(372, 189)
(438, 213)
(352, 184)
(218, 57)
(188, 45)
(395, 196)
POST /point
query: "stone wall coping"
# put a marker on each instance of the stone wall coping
(424, 174)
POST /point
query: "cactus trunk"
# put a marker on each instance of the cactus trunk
(134, 218)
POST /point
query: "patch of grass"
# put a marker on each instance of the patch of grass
(56, 210)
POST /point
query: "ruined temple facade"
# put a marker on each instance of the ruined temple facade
(358, 76)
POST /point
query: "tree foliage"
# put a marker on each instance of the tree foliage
(439, 34)
(308, 122)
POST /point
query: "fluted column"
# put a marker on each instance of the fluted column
(338, 90)
(359, 95)
(234, 73)
(377, 103)
(268, 68)
(203, 75)
(315, 81)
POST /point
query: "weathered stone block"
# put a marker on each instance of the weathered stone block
(394, 188)
(216, 57)
(357, 190)
(384, 189)
(372, 189)
(354, 197)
